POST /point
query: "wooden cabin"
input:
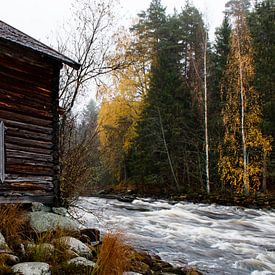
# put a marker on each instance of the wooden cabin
(29, 102)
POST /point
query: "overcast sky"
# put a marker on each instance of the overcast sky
(41, 18)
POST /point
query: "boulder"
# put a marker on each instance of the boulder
(9, 259)
(31, 268)
(41, 221)
(81, 261)
(60, 211)
(4, 248)
(77, 246)
(38, 206)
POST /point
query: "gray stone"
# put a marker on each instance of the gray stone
(60, 211)
(3, 245)
(81, 261)
(32, 268)
(71, 254)
(38, 206)
(9, 258)
(41, 222)
(77, 246)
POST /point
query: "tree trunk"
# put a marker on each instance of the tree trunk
(167, 151)
(206, 117)
(245, 175)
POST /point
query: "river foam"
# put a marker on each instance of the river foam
(217, 239)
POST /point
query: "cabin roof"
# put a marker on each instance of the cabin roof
(13, 35)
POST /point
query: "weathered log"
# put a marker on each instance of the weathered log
(29, 142)
(10, 87)
(24, 109)
(27, 126)
(27, 155)
(32, 60)
(24, 83)
(25, 118)
(28, 149)
(9, 198)
(29, 170)
(23, 186)
(36, 80)
(31, 162)
(17, 132)
(14, 178)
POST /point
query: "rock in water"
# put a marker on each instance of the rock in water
(41, 222)
(32, 268)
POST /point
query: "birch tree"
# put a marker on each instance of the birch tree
(206, 115)
(245, 148)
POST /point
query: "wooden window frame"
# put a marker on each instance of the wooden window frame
(2, 152)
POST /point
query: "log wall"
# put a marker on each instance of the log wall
(28, 108)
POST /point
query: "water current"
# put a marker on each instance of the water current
(216, 239)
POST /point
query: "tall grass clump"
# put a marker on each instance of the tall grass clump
(13, 221)
(114, 256)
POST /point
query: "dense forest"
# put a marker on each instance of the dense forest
(178, 113)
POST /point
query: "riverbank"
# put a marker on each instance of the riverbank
(46, 240)
(216, 239)
(256, 201)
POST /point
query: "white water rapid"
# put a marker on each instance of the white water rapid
(216, 239)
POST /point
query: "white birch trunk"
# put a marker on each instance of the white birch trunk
(206, 117)
(245, 175)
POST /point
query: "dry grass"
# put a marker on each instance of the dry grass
(114, 256)
(40, 252)
(13, 222)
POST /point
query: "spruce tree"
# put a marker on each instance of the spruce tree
(262, 25)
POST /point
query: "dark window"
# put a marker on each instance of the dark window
(2, 151)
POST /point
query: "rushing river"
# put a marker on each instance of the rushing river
(216, 239)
